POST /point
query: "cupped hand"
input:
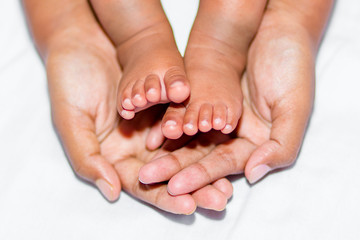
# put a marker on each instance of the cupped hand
(83, 75)
(124, 148)
(278, 88)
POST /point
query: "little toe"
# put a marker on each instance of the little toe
(219, 116)
(138, 94)
(233, 117)
(127, 114)
(125, 99)
(191, 117)
(173, 120)
(152, 88)
(205, 117)
(177, 85)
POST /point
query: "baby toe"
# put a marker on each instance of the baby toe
(152, 88)
(219, 116)
(138, 94)
(173, 120)
(205, 117)
(127, 114)
(124, 99)
(191, 117)
(233, 117)
(177, 85)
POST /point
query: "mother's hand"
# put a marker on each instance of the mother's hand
(83, 75)
(124, 148)
(278, 91)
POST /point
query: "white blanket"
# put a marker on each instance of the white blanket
(318, 198)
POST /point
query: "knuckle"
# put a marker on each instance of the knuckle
(286, 153)
(202, 171)
(158, 196)
(290, 157)
(134, 189)
(79, 170)
(85, 167)
(227, 156)
(203, 149)
(173, 158)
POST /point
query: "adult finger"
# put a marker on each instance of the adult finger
(155, 194)
(225, 159)
(77, 133)
(287, 132)
(155, 137)
(214, 196)
(171, 160)
(224, 186)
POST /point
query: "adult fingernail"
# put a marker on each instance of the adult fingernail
(192, 211)
(258, 172)
(143, 182)
(106, 189)
(221, 209)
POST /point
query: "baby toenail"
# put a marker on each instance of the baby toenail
(177, 84)
(127, 103)
(170, 123)
(138, 97)
(124, 113)
(204, 123)
(228, 128)
(189, 126)
(217, 121)
(151, 91)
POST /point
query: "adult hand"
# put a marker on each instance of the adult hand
(83, 75)
(124, 148)
(278, 95)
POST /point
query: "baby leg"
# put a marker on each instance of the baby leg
(153, 69)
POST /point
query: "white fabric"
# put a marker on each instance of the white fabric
(318, 198)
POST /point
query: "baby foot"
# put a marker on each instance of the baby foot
(216, 98)
(215, 60)
(153, 71)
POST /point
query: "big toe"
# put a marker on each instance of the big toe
(177, 85)
(173, 120)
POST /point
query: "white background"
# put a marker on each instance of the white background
(318, 198)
